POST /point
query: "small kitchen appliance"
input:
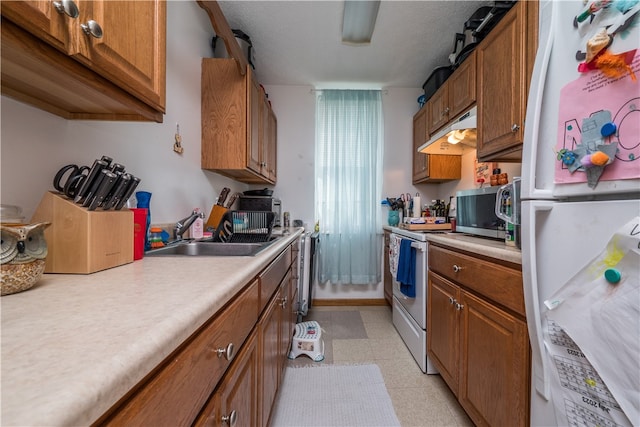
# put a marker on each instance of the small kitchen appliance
(475, 212)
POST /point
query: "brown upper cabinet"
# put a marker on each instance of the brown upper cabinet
(97, 60)
(239, 128)
(431, 168)
(452, 98)
(505, 64)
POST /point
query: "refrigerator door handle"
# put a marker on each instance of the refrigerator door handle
(539, 357)
(534, 106)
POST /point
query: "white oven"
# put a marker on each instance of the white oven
(410, 314)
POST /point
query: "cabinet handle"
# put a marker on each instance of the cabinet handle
(456, 268)
(459, 306)
(230, 419)
(67, 7)
(515, 128)
(92, 28)
(283, 302)
(226, 352)
(451, 300)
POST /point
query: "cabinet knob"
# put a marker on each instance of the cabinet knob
(515, 128)
(459, 306)
(230, 419)
(92, 28)
(451, 300)
(283, 302)
(66, 7)
(226, 352)
(456, 268)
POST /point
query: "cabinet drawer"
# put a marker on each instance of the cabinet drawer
(270, 278)
(183, 384)
(501, 284)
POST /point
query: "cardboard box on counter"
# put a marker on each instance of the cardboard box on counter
(81, 241)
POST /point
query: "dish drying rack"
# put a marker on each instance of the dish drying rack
(244, 227)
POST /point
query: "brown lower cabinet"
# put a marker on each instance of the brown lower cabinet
(477, 335)
(230, 370)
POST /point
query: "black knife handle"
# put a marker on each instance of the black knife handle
(107, 159)
(105, 186)
(113, 188)
(132, 186)
(97, 166)
(94, 187)
(116, 167)
(119, 189)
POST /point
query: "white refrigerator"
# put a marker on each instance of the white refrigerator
(584, 326)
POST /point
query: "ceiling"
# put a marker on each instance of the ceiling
(299, 42)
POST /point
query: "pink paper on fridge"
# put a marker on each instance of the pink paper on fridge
(593, 92)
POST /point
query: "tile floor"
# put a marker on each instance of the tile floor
(367, 335)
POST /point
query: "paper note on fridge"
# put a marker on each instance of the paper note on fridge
(593, 336)
(583, 98)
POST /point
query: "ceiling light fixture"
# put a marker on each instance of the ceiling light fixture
(358, 21)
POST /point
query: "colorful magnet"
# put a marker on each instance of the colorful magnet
(586, 161)
(608, 129)
(599, 158)
(612, 275)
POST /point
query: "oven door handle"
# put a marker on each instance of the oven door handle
(419, 246)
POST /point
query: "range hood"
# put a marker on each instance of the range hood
(454, 138)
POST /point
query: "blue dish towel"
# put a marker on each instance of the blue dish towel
(406, 274)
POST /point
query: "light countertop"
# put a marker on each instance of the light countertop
(73, 345)
(478, 245)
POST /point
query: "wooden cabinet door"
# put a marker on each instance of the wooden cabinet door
(444, 167)
(236, 397)
(254, 119)
(272, 146)
(420, 136)
(443, 328)
(286, 327)
(462, 87)
(269, 328)
(438, 109)
(502, 87)
(131, 51)
(494, 364)
(40, 18)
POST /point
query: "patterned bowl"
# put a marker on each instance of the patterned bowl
(20, 277)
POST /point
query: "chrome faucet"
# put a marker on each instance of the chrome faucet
(184, 224)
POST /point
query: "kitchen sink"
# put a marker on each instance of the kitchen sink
(208, 248)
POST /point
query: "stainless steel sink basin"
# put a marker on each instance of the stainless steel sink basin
(206, 248)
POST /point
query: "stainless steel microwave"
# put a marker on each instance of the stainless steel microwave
(475, 212)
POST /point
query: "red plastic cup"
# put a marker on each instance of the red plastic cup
(139, 229)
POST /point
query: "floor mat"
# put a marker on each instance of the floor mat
(334, 395)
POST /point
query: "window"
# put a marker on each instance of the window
(348, 176)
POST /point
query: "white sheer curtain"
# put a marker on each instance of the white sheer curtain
(349, 135)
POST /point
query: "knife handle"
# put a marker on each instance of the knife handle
(94, 188)
(109, 196)
(105, 186)
(119, 189)
(94, 172)
(116, 167)
(132, 186)
(107, 160)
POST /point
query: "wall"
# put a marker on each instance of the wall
(35, 144)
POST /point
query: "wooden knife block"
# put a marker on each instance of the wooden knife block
(82, 241)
